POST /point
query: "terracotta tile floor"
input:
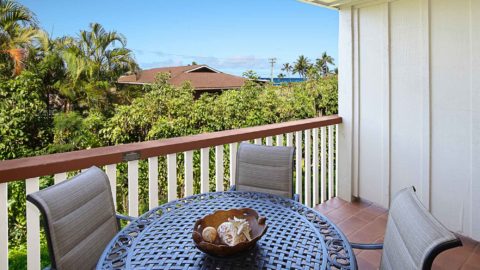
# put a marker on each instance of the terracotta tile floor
(365, 222)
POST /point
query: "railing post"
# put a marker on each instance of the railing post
(323, 165)
(59, 177)
(188, 173)
(269, 141)
(299, 174)
(33, 227)
(279, 140)
(336, 160)
(152, 182)
(330, 162)
(258, 141)
(233, 162)
(219, 171)
(308, 180)
(3, 226)
(133, 188)
(172, 176)
(315, 168)
(204, 170)
(111, 171)
(289, 139)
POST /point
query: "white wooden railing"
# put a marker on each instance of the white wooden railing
(315, 141)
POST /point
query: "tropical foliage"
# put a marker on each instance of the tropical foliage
(306, 69)
(287, 68)
(18, 28)
(322, 63)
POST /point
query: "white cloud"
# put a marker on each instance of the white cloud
(234, 64)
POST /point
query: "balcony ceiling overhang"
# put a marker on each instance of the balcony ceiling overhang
(334, 4)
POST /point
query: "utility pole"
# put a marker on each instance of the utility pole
(272, 63)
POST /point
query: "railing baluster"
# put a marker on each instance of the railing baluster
(299, 175)
(3, 226)
(279, 140)
(289, 139)
(315, 195)
(330, 162)
(323, 165)
(172, 176)
(219, 168)
(269, 141)
(133, 188)
(308, 179)
(204, 170)
(111, 171)
(152, 182)
(233, 162)
(59, 177)
(188, 156)
(336, 160)
(33, 227)
(258, 141)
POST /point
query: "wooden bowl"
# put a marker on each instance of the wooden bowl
(219, 249)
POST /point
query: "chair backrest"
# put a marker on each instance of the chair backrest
(267, 169)
(413, 237)
(79, 218)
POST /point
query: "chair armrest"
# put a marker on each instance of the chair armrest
(296, 197)
(367, 246)
(123, 217)
(232, 188)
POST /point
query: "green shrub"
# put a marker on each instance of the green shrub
(17, 257)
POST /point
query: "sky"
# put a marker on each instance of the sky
(231, 36)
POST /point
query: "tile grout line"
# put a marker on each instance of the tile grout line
(477, 246)
(364, 226)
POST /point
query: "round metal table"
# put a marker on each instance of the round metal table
(297, 237)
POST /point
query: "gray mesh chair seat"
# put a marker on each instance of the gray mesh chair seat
(413, 237)
(267, 169)
(79, 218)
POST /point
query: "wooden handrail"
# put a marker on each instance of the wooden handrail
(16, 169)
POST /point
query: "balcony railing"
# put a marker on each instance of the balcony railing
(315, 141)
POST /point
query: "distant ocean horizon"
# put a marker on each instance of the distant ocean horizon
(279, 81)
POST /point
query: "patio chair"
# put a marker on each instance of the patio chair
(267, 169)
(413, 237)
(79, 219)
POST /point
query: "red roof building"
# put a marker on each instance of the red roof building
(202, 78)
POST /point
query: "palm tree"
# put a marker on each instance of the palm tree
(301, 66)
(323, 62)
(287, 68)
(18, 28)
(94, 63)
(45, 60)
(104, 61)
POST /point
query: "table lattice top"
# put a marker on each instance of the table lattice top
(297, 237)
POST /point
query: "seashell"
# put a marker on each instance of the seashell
(209, 234)
(234, 231)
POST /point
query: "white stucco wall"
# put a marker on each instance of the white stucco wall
(410, 98)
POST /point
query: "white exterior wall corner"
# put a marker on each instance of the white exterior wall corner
(409, 96)
(475, 117)
(345, 105)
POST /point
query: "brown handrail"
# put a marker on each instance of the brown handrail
(11, 170)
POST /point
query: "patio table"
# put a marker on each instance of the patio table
(298, 237)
